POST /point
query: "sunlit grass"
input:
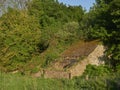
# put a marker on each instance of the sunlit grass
(20, 82)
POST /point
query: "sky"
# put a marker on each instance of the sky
(86, 4)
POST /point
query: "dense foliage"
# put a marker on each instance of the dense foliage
(17, 43)
(106, 26)
(38, 34)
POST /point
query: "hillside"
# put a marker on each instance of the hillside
(50, 40)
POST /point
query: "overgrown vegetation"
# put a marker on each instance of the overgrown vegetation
(33, 33)
(94, 82)
(44, 30)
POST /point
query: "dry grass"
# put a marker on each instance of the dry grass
(80, 49)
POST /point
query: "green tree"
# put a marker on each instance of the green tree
(106, 26)
(17, 30)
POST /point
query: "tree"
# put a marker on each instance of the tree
(17, 30)
(107, 27)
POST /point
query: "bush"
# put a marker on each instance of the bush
(49, 58)
(17, 32)
(93, 70)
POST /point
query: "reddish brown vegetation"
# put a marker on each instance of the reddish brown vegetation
(80, 49)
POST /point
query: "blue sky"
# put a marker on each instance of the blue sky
(84, 3)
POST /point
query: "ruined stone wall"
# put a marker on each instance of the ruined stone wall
(96, 57)
(52, 74)
(56, 74)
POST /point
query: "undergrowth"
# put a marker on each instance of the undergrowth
(96, 81)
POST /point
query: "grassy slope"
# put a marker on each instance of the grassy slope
(18, 82)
